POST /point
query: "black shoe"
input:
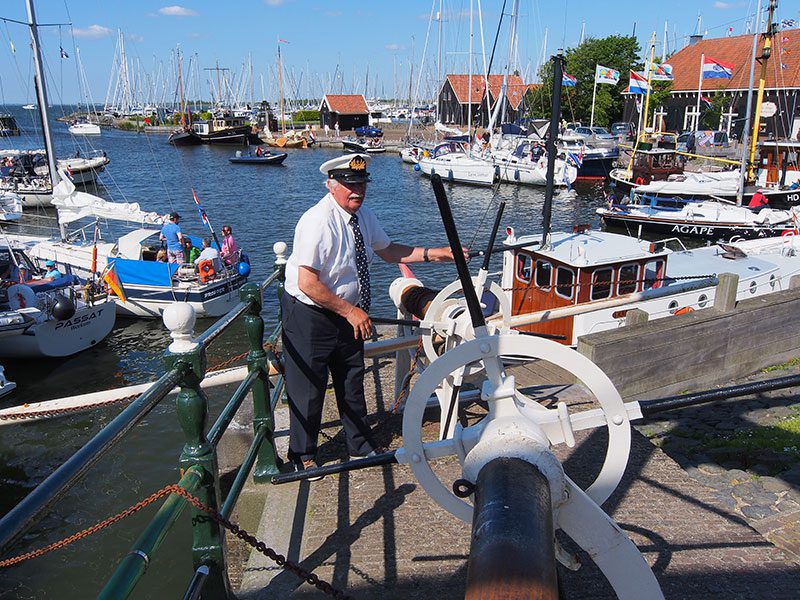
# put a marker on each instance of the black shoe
(298, 465)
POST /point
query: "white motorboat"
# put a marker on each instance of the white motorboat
(149, 285)
(84, 168)
(46, 318)
(10, 206)
(451, 162)
(84, 128)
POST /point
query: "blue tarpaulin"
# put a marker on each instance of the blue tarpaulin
(144, 272)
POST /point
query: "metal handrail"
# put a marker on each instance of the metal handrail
(20, 518)
(213, 332)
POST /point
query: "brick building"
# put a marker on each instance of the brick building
(782, 86)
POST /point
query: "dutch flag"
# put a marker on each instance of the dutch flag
(638, 83)
(568, 80)
(202, 212)
(716, 69)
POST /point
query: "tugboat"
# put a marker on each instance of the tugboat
(221, 129)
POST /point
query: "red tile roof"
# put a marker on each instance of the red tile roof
(737, 51)
(347, 104)
(515, 91)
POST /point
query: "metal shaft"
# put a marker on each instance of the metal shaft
(512, 554)
(487, 255)
(555, 116)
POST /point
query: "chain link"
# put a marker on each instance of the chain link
(240, 533)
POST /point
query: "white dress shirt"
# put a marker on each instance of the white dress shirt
(323, 240)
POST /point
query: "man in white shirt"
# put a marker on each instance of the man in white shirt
(326, 304)
(208, 253)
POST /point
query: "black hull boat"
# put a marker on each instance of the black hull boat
(240, 136)
(596, 168)
(185, 138)
(268, 158)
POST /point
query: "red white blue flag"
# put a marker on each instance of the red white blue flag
(202, 212)
(568, 80)
(638, 83)
(716, 69)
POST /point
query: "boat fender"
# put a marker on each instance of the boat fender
(639, 181)
(684, 311)
(64, 308)
(206, 270)
(21, 296)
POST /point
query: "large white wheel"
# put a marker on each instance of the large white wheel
(488, 350)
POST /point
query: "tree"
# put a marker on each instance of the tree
(615, 51)
(710, 117)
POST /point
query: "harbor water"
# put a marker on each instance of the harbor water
(262, 205)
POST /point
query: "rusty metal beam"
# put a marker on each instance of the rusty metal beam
(512, 554)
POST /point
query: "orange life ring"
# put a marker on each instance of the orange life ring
(684, 311)
(206, 270)
(639, 181)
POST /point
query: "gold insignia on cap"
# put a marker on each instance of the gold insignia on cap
(357, 164)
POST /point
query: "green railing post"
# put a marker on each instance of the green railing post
(266, 462)
(208, 544)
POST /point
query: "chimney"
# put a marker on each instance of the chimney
(694, 38)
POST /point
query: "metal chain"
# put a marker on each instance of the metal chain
(240, 533)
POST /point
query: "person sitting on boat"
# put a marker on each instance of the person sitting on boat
(259, 151)
(758, 202)
(230, 251)
(171, 233)
(190, 251)
(52, 270)
(208, 252)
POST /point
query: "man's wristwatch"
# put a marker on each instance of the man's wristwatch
(425, 256)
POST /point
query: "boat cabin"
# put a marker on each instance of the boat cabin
(780, 159)
(577, 268)
(656, 165)
(8, 125)
(218, 124)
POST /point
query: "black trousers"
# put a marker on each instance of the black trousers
(317, 342)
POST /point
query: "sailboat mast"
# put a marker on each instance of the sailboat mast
(748, 113)
(41, 93)
(765, 54)
(649, 83)
(280, 90)
(180, 88)
(469, 80)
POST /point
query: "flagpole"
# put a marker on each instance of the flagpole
(207, 221)
(699, 90)
(594, 94)
(649, 82)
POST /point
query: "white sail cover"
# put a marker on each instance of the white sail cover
(447, 130)
(73, 205)
(721, 183)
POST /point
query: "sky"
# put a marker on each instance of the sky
(340, 46)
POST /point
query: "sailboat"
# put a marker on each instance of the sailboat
(292, 139)
(84, 126)
(456, 162)
(47, 318)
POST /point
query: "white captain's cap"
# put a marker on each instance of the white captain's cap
(350, 168)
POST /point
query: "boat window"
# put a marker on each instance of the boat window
(653, 274)
(565, 282)
(702, 301)
(628, 279)
(753, 287)
(524, 262)
(601, 284)
(772, 281)
(670, 203)
(544, 274)
(672, 307)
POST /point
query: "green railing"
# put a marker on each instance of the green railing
(186, 360)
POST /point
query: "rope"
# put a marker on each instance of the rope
(607, 283)
(174, 488)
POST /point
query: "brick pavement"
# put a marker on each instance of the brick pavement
(376, 533)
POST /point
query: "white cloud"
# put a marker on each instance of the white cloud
(394, 47)
(135, 37)
(177, 11)
(92, 31)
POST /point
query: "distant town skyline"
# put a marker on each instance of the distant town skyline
(333, 47)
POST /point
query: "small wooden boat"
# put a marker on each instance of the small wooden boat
(268, 158)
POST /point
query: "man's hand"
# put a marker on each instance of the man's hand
(445, 254)
(362, 326)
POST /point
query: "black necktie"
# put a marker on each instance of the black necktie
(361, 265)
